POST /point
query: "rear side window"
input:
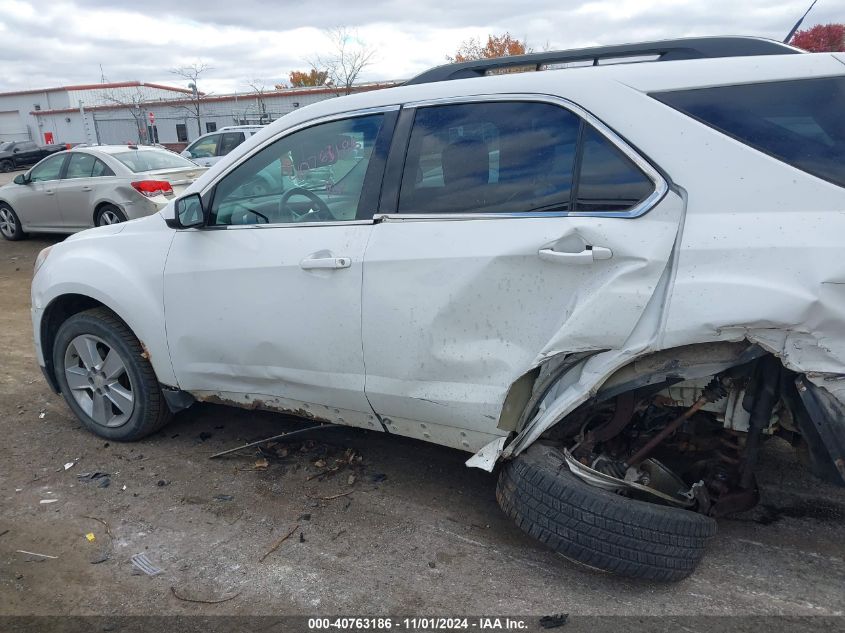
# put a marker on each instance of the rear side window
(514, 157)
(229, 142)
(799, 122)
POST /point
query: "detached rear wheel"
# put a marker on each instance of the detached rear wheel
(598, 528)
(105, 379)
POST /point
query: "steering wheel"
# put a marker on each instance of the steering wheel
(322, 207)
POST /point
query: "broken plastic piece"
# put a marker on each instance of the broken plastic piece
(140, 561)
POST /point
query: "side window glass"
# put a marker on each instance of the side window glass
(101, 169)
(80, 166)
(48, 169)
(313, 175)
(496, 157)
(205, 147)
(229, 142)
(609, 180)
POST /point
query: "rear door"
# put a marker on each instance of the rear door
(525, 228)
(87, 180)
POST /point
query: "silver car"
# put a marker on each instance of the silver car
(92, 186)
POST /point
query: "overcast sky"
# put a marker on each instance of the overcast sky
(48, 43)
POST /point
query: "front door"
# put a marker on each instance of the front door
(521, 232)
(36, 203)
(264, 305)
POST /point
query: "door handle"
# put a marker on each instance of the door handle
(49, 192)
(587, 256)
(312, 263)
(87, 188)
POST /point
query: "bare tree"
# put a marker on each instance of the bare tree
(259, 89)
(345, 61)
(192, 75)
(134, 103)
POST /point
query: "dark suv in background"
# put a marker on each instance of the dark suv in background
(17, 154)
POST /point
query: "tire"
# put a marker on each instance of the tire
(109, 214)
(598, 528)
(6, 166)
(10, 224)
(73, 357)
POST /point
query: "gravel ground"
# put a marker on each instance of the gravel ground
(415, 532)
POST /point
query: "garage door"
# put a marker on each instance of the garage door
(12, 128)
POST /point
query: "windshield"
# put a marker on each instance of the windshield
(152, 160)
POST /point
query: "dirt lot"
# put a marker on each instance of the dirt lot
(416, 532)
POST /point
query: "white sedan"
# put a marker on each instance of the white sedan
(92, 186)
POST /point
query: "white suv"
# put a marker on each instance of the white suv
(612, 283)
(212, 147)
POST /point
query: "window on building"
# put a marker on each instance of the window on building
(181, 132)
(210, 126)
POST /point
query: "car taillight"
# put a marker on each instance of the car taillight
(152, 188)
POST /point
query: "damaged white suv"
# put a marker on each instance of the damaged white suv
(613, 281)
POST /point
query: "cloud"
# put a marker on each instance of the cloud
(54, 43)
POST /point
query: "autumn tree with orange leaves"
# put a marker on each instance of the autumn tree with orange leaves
(496, 46)
(822, 38)
(314, 77)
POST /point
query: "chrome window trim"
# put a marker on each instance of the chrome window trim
(641, 208)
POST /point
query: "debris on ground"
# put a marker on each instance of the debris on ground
(162, 482)
(69, 465)
(330, 497)
(275, 438)
(99, 557)
(224, 497)
(45, 501)
(302, 517)
(261, 464)
(23, 551)
(201, 600)
(42, 414)
(91, 537)
(554, 621)
(92, 476)
(278, 542)
(141, 562)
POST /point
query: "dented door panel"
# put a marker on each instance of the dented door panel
(454, 311)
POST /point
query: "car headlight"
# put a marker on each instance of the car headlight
(42, 257)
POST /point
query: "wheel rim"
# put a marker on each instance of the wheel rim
(109, 217)
(7, 223)
(98, 380)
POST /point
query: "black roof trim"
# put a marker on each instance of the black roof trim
(669, 50)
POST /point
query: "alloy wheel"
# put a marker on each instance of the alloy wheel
(109, 217)
(99, 381)
(8, 225)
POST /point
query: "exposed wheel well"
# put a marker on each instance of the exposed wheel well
(57, 312)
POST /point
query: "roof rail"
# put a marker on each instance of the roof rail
(664, 51)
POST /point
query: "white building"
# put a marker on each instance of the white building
(137, 112)
(21, 111)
